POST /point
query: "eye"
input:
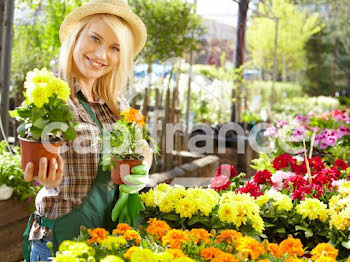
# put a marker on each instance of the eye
(94, 38)
(116, 49)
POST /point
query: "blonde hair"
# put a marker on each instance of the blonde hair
(113, 84)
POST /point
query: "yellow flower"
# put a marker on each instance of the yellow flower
(131, 250)
(282, 201)
(261, 200)
(312, 208)
(175, 252)
(142, 255)
(325, 259)
(323, 250)
(341, 220)
(186, 208)
(65, 257)
(237, 208)
(75, 248)
(113, 242)
(111, 258)
(60, 88)
(162, 187)
(148, 198)
(163, 257)
(184, 259)
(344, 188)
(39, 95)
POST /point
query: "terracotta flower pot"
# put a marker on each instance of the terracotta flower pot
(123, 169)
(32, 151)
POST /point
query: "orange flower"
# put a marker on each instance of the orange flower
(200, 234)
(229, 236)
(157, 228)
(348, 259)
(175, 252)
(97, 235)
(225, 257)
(249, 247)
(132, 234)
(175, 238)
(133, 115)
(130, 251)
(274, 250)
(324, 250)
(121, 229)
(210, 253)
(292, 246)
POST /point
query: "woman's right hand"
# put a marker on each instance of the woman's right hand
(52, 178)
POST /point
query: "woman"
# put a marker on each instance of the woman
(99, 42)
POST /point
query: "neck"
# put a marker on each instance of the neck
(86, 88)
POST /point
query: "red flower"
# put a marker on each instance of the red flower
(220, 183)
(301, 192)
(316, 163)
(283, 161)
(340, 163)
(262, 177)
(226, 170)
(295, 181)
(322, 178)
(299, 169)
(252, 188)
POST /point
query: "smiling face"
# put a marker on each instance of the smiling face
(96, 51)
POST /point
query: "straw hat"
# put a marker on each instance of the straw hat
(114, 7)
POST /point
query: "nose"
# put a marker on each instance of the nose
(101, 53)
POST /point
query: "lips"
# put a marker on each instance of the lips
(95, 64)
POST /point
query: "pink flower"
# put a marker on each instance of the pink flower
(331, 140)
(298, 134)
(271, 131)
(220, 183)
(303, 119)
(281, 123)
(278, 179)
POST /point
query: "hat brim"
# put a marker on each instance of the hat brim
(136, 25)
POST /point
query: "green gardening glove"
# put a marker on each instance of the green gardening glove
(129, 203)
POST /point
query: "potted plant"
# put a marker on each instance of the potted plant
(11, 176)
(47, 120)
(122, 155)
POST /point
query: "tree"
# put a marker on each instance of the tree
(294, 29)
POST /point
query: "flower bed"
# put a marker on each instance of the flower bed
(157, 241)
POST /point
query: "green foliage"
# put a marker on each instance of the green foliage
(295, 27)
(36, 42)
(35, 119)
(169, 28)
(291, 107)
(11, 173)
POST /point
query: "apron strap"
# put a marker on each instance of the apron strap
(86, 106)
(26, 246)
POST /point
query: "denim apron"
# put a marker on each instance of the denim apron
(94, 211)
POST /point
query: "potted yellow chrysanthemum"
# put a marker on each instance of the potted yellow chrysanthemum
(46, 118)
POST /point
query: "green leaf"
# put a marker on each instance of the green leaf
(280, 230)
(193, 220)
(40, 123)
(308, 231)
(346, 244)
(13, 113)
(21, 129)
(172, 217)
(36, 132)
(69, 134)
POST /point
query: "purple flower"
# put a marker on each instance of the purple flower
(323, 145)
(302, 119)
(298, 134)
(342, 131)
(340, 117)
(36, 183)
(271, 131)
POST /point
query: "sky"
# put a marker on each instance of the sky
(223, 11)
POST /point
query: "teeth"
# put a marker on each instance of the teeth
(96, 63)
